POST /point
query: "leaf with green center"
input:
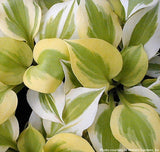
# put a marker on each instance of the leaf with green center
(70, 79)
(30, 140)
(67, 142)
(20, 19)
(139, 94)
(9, 132)
(133, 6)
(59, 21)
(48, 74)
(100, 131)
(94, 62)
(135, 65)
(118, 9)
(96, 19)
(143, 28)
(15, 57)
(48, 106)
(80, 109)
(136, 126)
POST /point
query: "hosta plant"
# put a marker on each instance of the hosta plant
(91, 69)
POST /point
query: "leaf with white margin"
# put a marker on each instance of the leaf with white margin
(80, 109)
(48, 74)
(59, 22)
(15, 58)
(47, 4)
(154, 67)
(30, 140)
(133, 6)
(100, 132)
(139, 94)
(94, 62)
(136, 126)
(96, 19)
(8, 104)
(67, 142)
(143, 28)
(36, 122)
(9, 132)
(70, 79)
(20, 19)
(48, 106)
(155, 86)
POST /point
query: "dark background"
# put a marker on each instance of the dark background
(23, 110)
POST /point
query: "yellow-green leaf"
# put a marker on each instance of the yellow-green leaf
(136, 126)
(15, 57)
(67, 142)
(30, 140)
(48, 74)
(94, 62)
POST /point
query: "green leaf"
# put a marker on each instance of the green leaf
(30, 140)
(135, 65)
(9, 132)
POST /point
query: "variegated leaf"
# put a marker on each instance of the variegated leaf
(155, 87)
(51, 128)
(48, 106)
(47, 4)
(36, 122)
(15, 57)
(79, 112)
(143, 28)
(96, 19)
(118, 9)
(100, 132)
(67, 142)
(8, 104)
(139, 94)
(132, 6)
(59, 21)
(80, 109)
(30, 140)
(136, 126)
(20, 19)
(154, 67)
(135, 65)
(70, 79)
(9, 132)
(94, 62)
(48, 74)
